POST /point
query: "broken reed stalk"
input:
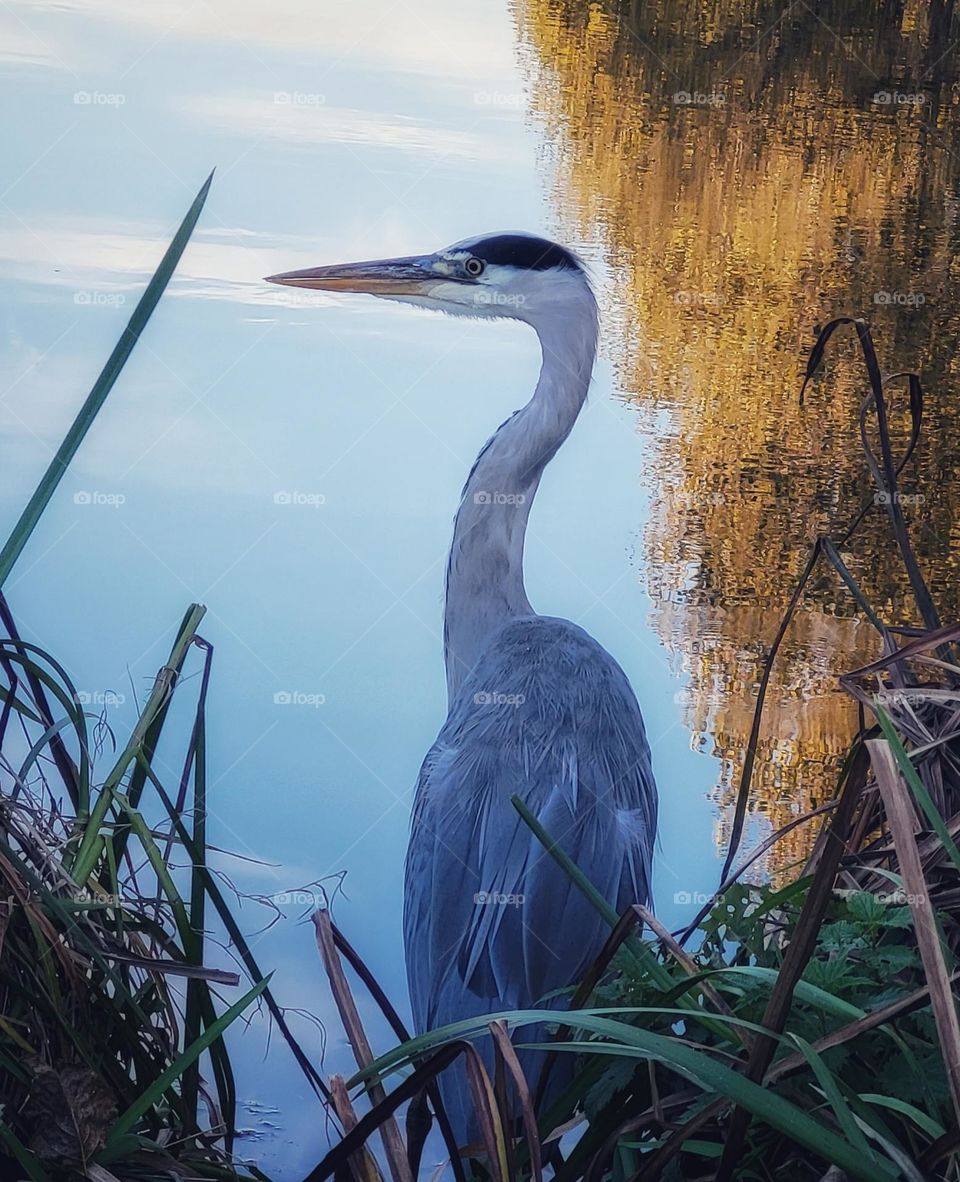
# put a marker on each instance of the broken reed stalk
(493, 1136)
(901, 818)
(686, 962)
(361, 1163)
(362, 1051)
(508, 1056)
(418, 1112)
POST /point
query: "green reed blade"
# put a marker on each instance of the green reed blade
(153, 1094)
(101, 388)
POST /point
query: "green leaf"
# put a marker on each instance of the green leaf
(865, 907)
(841, 1109)
(928, 1124)
(702, 1148)
(804, 991)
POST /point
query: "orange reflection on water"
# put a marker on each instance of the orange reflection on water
(751, 171)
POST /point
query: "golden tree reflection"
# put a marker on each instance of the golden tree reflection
(753, 169)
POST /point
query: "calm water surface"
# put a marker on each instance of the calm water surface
(294, 461)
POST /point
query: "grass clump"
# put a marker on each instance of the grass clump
(112, 1054)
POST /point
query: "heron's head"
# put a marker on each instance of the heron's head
(517, 276)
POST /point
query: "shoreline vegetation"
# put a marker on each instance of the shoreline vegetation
(803, 1030)
(106, 1007)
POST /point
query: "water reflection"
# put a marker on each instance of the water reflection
(753, 170)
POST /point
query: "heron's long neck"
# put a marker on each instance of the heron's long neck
(485, 568)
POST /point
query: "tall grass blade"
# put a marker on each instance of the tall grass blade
(841, 1109)
(197, 755)
(87, 854)
(363, 1168)
(127, 1121)
(489, 1118)
(385, 1006)
(18, 539)
(505, 1048)
(76, 787)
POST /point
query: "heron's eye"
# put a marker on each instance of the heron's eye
(473, 266)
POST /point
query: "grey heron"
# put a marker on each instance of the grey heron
(535, 705)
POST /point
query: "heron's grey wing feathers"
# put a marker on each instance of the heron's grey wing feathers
(490, 919)
(441, 881)
(562, 931)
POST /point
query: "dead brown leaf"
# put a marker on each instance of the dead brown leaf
(69, 1111)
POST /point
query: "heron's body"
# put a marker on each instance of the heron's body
(491, 922)
(536, 708)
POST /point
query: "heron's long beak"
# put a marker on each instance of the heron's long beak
(406, 276)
